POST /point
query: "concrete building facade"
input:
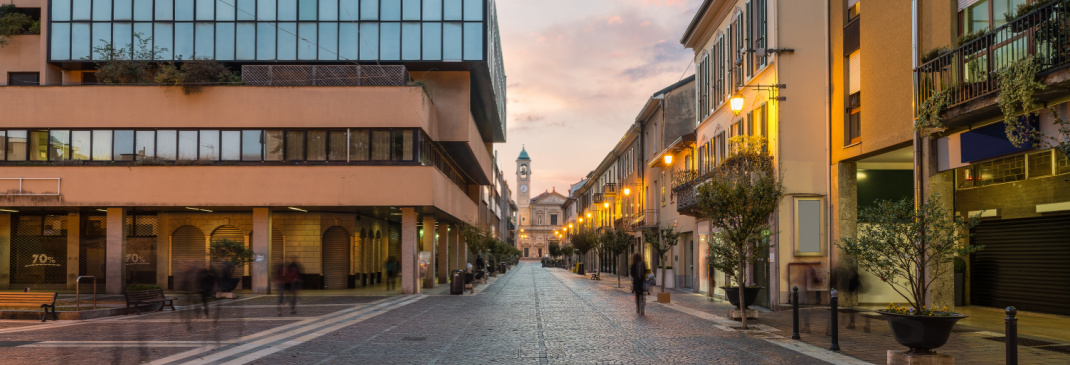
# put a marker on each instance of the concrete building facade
(357, 133)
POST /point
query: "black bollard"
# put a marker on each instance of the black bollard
(834, 301)
(1012, 336)
(795, 313)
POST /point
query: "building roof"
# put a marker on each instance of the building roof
(523, 154)
(544, 196)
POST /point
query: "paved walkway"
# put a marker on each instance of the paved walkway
(973, 342)
(531, 315)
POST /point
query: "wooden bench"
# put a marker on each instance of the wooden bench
(44, 300)
(136, 298)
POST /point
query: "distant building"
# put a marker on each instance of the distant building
(540, 217)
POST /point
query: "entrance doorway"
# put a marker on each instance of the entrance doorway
(188, 253)
(335, 258)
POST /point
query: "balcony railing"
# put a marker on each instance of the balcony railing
(645, 219)
(970, 71)
(324, 75)
(610, 189)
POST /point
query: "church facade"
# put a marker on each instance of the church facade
(540, 217)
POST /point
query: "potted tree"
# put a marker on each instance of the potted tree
(584, 241)
(738, 199)
(910, 247)
(231, 255)
(661, 240)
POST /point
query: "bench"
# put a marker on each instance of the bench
(43, 300)
(596, 276)
(136, 298)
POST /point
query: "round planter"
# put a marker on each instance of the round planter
(750, 294)
(922, 334)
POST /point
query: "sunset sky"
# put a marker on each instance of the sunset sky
(579, 71)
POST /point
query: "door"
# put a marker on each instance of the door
(1025, 264)
(187, 255)
(335, 259)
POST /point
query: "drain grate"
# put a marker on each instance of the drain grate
(414, 338)
(1021, 341)
(1065, 349)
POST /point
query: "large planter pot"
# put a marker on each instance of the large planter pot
(921, 334)
(750, 294)
(670, 279)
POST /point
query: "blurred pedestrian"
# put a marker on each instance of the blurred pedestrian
(638, 271)
(391, 272)
(288, 275)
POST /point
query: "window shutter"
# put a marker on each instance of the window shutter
(855, 73)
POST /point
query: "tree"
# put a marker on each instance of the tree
(909, 247)
(738, 199)
(661, 240)
(616, 242)
(584, 241)
(477, 240)
(14, 22)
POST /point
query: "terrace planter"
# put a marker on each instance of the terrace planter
(922, 334)
(750, 294)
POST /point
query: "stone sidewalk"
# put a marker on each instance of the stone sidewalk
(870, 338)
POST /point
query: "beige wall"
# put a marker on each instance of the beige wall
(277, 186)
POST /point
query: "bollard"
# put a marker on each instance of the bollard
(795, 313)
(1012, 336)
(834, 300)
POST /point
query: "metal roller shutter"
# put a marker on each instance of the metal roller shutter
(335, 259)
(1025, 264)
(187, 253)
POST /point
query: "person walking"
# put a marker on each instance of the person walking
(638, 271)
(391, 272)
(288, 277)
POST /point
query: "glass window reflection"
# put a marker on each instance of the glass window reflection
(183, 40)
(123, 147)
(187, 145)
(317, 146)
(287, 10)
(432, 10)
(390, 11)
(348, 41)
(451, 42)
(165, 10)
(205, 40)
(206, 9)
(145, 145)
(273, 145)
(412, 10)
(251, 145)
(369, 41)
(358, 145)
(295, 145)
(38, 145)
(61, 41)
(306, 10)
(453, 10)
(369, 9)
(224, 47)
(287, 41)
(246, 9)
(390, 41)
(102, 142)
(101, 10)
(432, 41)
(410, 41)
(348, 10)
(328, 10)
(209, 145)
(230, 145)
(265, 41)
(16, 145)
(124, 9)
(473, 41)
(246, 44)
(337, 145)
(328, 41)
(166, 144)
(306, 46)
(60, 145)
(142, 9)
(81, 145)
(265, 10)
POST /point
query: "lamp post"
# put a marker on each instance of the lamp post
(737, 100)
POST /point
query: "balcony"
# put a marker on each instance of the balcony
(970, 72)
(645, 219)
(685, 187)
(610, 190)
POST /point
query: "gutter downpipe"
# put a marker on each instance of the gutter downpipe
(828, 134)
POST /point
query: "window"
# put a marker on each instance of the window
(81, 145)
(760, 30)
(337, 146)
(853, 9)
(358, 145)
(274, 145)
(23, 78)
(808, 223)
(230, 145)
(166, 144)
(553, 219)
(209, 145)
(102, 144)
(295, 145)
(187, 145)
(380, 145)
(59, 148)
(853, 120)
(252, 144)
(144, 145)
(123, 147)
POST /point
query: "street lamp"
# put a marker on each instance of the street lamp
(668, 159)
(605, 205)
(588, 214)
(737, 103)
(627, 191)
(570, 225)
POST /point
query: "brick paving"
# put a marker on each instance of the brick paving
(870, 339)
(531, 315)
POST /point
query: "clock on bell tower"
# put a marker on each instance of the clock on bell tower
(523, 183)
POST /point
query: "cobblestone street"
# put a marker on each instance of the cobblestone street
(531, 315)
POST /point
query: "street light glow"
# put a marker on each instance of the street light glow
(605, 205)
(668, 159)
(627, 191)
(737, 103)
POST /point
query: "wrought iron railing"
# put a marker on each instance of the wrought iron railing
(645, 219)
(610, 189)
(969, 71)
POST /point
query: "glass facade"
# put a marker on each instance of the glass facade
(276, 30)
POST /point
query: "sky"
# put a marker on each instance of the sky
(578, 73)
